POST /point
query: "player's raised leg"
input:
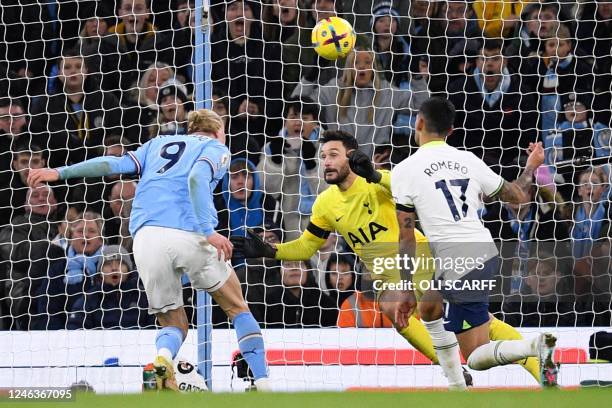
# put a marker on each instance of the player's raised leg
(499, 330)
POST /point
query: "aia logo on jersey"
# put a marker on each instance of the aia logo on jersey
(366, 235)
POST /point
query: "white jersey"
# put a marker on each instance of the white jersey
(444, 184)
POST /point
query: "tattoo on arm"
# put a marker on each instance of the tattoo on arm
(525, 180)
(407, 241)
(512, 193)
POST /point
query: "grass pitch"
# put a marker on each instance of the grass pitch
(583, 398)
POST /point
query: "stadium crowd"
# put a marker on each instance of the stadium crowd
(79, 79)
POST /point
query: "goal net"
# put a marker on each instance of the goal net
(82, 79)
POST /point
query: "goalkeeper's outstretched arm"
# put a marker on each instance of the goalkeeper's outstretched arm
(96, 167)
(301, 249)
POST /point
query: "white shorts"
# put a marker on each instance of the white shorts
(163, 255)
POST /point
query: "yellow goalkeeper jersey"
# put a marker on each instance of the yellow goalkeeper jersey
(365, 216)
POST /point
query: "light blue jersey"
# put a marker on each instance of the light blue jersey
(164, 164)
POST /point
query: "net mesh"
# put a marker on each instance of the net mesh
(89, 78)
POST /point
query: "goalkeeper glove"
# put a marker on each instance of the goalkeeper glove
(362, 166)
(252, 246)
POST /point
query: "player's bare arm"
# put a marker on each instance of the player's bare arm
(517, 191)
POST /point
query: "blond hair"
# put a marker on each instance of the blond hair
(347, 83)
(204, 120)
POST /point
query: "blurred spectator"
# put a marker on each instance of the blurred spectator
(27, 44)
(457, 37)
(299, 302)
(591, 213)
(247, 127)
(594, 38)
(258, 276)
(77, 117)
(557, 73)
(220, 105)
(392, 50)
(174, 105)
(495, 118)
(362, 103)
(544, 300)
(140, 44)
(290, 169)
(243, 203)
(98, 46)
(499, 18)
(183, 40)
(340, 277)
(543, 219)
(13, 137)
(13, 196)
(361, 309)
(143, 96)
(69, 277)
(92, 193)
(239, 53)
(575, 136)
(116, 221)
(539, 20)
(25, 248)
(116, 300)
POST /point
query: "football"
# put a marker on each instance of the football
(333, 38)
(187, 377)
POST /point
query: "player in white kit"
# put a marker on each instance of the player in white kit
(444, 187)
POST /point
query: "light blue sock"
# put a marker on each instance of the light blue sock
(251, 344)
(170, 338)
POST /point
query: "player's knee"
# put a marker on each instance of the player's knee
(430, 310)
(475, 363)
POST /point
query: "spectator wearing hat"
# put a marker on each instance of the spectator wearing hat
(116, 300)
(243, 203)
(495, 118)
(290, 169)
(392, 50)
(174, 105)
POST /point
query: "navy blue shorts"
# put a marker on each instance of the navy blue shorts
(466, 309)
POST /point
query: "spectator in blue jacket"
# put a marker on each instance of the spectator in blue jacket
(115, 300)
(243, 203)
(70, 277)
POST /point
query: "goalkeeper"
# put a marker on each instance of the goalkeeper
(359, 206)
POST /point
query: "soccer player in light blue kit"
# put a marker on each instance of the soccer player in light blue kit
(173, 223)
